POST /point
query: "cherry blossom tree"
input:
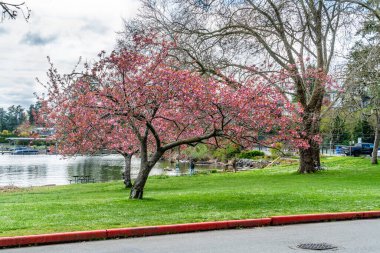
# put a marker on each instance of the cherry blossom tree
(163, 106)
(244, 38)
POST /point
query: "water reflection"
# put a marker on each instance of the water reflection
(39, 170)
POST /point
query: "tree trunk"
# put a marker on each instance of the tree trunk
(310, 157)
(376, 142)
(316, 156)
(127, 170)
(315, 145)
(137, 189)
(306, 161)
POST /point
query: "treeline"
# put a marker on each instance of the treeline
(15, 115)
(344, 130)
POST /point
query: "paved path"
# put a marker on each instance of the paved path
(349, 236)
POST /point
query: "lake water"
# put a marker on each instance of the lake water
(37, 170)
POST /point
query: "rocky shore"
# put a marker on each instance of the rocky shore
(242, 164)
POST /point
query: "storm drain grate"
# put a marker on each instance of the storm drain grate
(317, 246)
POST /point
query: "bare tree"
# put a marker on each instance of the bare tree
(371, 6)
(237, 39)
(12, 10)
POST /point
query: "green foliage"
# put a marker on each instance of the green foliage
(336, 132)
(32, 112)
(6, 134)
(15, 115)
(199, 153)
(203, 152)
(364, 130)
(339, 132)
(11, 118)
(251, 154)
(224, 154)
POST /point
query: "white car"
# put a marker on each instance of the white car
(378, 152)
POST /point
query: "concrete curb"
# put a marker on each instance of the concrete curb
(180, 228)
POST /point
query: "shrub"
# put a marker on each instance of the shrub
(5, 132)
(251, 154)
(224, 154)
(199, 153)
(24, 134)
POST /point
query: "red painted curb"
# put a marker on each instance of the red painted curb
(305, 218)
(179, 228)
(182, 228)
(52, 238)
(371, 214)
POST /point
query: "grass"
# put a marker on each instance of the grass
(348, 184)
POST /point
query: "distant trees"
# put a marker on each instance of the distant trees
(2, 119)
(363, 130)
(16, 115)
(363, 73)
(334, 130)
(33, 112)
(12, 118)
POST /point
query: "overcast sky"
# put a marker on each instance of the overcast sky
(63, 30)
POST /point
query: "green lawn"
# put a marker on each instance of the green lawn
(348, 184)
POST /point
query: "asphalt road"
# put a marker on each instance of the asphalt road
(348, 236)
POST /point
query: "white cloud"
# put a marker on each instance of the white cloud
(36, 39)
(63, 30)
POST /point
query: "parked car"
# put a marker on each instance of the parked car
(359, 149)
(339, 149)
